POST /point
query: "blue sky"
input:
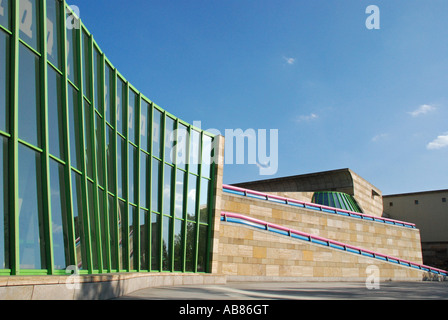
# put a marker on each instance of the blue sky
(340, 95)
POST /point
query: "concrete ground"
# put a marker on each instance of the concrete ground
(427, 290)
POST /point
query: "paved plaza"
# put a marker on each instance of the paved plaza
(426, 290)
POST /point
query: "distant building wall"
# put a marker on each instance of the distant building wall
(429, 211)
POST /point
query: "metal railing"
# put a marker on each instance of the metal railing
(267, 226)
(313, 206)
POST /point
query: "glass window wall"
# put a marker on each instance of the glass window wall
(106, 180)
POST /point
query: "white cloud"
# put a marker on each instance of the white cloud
(380, 137)
(192, 194)
(439, 143)
(423, 109)
(289, 60)
(310, 117)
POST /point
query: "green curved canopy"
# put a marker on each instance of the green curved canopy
(338, 200)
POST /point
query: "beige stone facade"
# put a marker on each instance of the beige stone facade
(218, 148)
(249, 254)
(397, 241)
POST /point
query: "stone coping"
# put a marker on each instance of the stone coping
(95, 287)
(23, 280)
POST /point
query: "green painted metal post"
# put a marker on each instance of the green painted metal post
(85, 181)
(46, 152)
(104, 161)
(14, 143)
(137, 168)
(67, 168)
(149, 190)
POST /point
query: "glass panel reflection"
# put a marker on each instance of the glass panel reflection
(108, 93)
(179, 199)
(99, 142)
(170, 137)
(202, 248)
(181, 146)
(122, 234)
(132, 171)
(72, 53)
(29, 24)
(144, 240)
(32, 253)
(4, 211)
(133, 243)
(167, 190)
(121, 110)
(155, 185)
(144, 179)
(86, 66)
(112, 232)
(157, 133)
(74, 128)
(98, 80)
(104, 244)
(191, 202)
(110, 157)
(132, 110)
(206, 156)
(203, 202)
(178, 245)
(29, 97)
(195, 148)
(55, 114)
(155, 241)
(121, 166)
(145, 110)
(93, 226)
(88, 137)
(4, 81)
(4, 13)
(53, 32)
(79, 224)
(59, 217)
(190, 254)
(166, 244)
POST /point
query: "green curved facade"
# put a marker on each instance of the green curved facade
(94, 176)
(338, 200)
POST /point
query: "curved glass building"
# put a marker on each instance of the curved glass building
(93, 175)
(338, 200)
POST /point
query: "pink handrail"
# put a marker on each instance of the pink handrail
(268, 225)
(315, 205)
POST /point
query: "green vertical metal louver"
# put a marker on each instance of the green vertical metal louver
(338, 200)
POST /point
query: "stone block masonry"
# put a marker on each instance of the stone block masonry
(397, 241)
(250, 254)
